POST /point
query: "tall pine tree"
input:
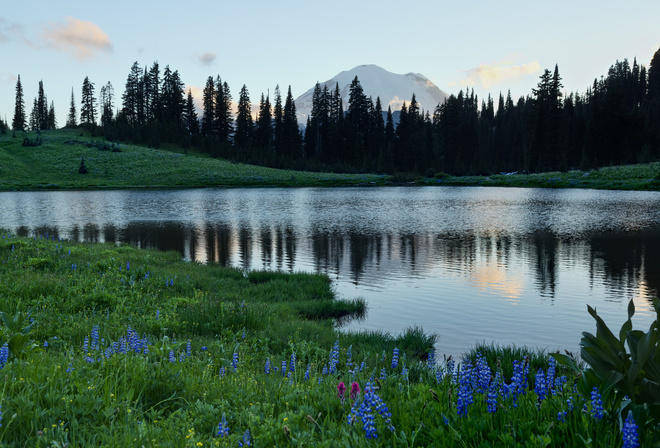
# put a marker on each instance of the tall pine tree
(18, 123)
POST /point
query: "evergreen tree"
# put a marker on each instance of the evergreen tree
(152, 93)
(34, 121)
(107, 97)
(18, 123)
(72, 120)
(244, 125)
(190, 115)
(88, 104)
(208, 114)
(130, 98)
(278, 114)
(264, 127)
(224, 125)
(41, 116)
(52, 121)
(172, 101)
(292, 140)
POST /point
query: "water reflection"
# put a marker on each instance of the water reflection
(515, 266)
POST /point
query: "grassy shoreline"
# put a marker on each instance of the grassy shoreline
(117, 346)
(54, 165)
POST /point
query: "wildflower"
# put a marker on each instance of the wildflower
(383, 374)
(481, 374)
(204, 348)
(283, 369)
(309, 366)
(630, 437)
(172, 357)
(355, 390)
(4, 355)
(597, 410)
(292, 363)
(223, 428)
(243, 335)
(45, 344)
(395, 358)
(430, 361)
(267, 366)
(221, 373)
(349, 355)
(95, 337)
(341, 390)
(334, 357)
(157, 314)
(438, 376)
(325, 369)
(362, 366)
(561, 415)
(464, 389)
(246, 439)
(234, 361)
(550, 379)
(491, 399)
(70, 368)
(540, 385)
(182, 357)
(189, 350)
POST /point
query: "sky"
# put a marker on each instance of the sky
(489, 46)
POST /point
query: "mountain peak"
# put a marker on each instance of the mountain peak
(393, 89)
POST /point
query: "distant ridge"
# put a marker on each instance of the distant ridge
(392, 89)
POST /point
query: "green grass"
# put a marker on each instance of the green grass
(627, 177)
(220, 326)
(55, 164)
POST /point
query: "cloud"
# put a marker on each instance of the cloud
(487, 75)
(79, 38)
(207, 58)
(10, 31)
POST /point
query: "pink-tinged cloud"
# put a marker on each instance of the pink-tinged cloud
(487, 75)
(81, 39)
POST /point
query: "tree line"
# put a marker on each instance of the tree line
(616, 121)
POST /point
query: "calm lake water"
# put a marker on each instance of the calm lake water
(471, 264)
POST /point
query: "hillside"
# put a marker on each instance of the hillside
(56, 162)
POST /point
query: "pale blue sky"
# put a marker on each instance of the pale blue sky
(489, 45)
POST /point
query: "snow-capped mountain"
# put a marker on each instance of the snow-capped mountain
(392, 89)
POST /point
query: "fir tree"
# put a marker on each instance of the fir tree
(52, 121)
(88, 104)
(292, 141)
(264, 127)
(18, 123)
(277, 123)
(244, 125)
(190, 115)
(107, 97)
(72, 120)
(208, 113)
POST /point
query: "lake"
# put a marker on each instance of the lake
(472, 264)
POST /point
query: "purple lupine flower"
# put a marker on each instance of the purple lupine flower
(597, 410)
(630, 436)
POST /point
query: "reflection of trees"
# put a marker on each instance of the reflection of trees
(621, 261)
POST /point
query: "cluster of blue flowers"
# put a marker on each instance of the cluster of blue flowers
(4, 355)
(363, 409)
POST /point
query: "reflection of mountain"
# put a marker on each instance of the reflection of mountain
(625, 263)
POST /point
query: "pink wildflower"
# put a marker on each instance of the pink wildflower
(341, 390)
(355, 390)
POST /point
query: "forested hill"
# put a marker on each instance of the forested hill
(615, 121)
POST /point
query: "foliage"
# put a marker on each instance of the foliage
(138, 348)
(623, 376)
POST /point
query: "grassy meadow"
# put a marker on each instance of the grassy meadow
(54, 162)
(113, 346)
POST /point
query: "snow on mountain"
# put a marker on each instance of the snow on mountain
(392, 89)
